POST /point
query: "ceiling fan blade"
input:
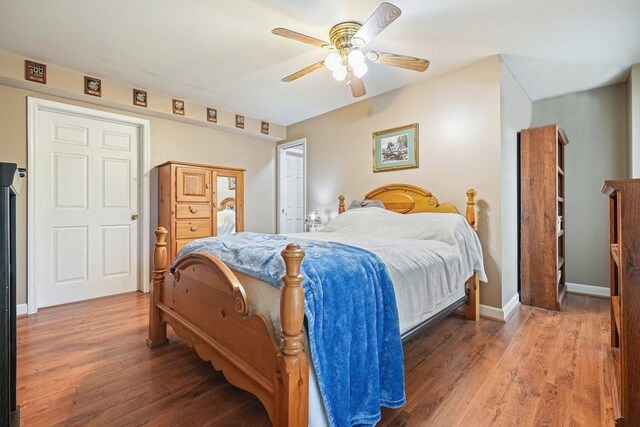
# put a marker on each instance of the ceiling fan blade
(283, 32)
(356, 85)
(402, 61)
(384, 15)
(303, 72)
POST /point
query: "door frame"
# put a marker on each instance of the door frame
(34, 107)
(279, 149)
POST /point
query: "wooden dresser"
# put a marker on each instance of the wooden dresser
(541, 209)
(188, 200)
(624, 266)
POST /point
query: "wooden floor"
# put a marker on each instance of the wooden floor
(87, 364)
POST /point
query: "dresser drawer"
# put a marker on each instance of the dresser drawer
(193, 229)
(193, 210)
(180, 244)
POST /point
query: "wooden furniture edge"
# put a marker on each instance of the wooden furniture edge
(284, 389)
(202, 165)
(407, 198)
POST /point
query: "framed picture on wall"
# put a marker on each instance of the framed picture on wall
(178, 106)
(232, 183)
(264, 128)
(139, 98)
(92, 86)
(239, 121)
(212, 115)
(395, 148)
(35, 72)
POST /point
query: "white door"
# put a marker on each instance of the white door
(86, 214)
(291, 183)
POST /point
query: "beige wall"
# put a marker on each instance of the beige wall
(596, 124)
(633, 119)
(459, 118)
(515, 115)
(170, 140)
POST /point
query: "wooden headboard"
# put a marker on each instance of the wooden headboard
(407, 198)
(225, 203)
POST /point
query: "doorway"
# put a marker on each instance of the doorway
(88, 207)
(292, 184)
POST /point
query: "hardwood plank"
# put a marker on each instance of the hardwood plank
(540, 368)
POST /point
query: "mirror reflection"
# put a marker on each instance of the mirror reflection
(226, 203)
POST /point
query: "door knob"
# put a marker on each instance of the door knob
(134, 217)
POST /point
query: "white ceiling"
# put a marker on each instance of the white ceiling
(221, 53)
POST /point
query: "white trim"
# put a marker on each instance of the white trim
(501, 314)
(279, 149)
(596, 291)
(35, 105)
(21, 309)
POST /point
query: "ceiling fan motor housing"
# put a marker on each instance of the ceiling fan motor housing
(341, 36)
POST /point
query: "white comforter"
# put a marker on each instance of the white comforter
(429, 257)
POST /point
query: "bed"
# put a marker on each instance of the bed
(209, 306)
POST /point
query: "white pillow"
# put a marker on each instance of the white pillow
(442, 227)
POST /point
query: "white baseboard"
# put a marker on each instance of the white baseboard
(596, 291)
(501, 314)
(21, 309)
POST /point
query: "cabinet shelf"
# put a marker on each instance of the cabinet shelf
(624, 233)
(615, 253)
(541, 177)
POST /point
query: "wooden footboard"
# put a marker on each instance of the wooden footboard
(206, 305)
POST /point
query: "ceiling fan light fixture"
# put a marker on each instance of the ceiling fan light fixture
(333, 61)
(355, 57)
(340, 73)
(360, 69)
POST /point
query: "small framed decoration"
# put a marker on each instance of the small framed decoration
(140, 98)
(178, 107)
(232, 183)
(239, 121)
(395, 148)
(35, 72)
(92, 86)
(264, 128)
(212, 115)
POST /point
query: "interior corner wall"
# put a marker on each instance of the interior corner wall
(459, 135)
(596, 124)
(170, 140)
(633, 118)
(515, 115)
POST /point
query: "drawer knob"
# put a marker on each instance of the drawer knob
(194, 228)
(193, 210)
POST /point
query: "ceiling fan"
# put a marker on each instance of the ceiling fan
(347, 40)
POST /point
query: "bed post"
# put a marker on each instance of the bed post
(291, 391)
(158, 328)
(472, 311)
(341, 204)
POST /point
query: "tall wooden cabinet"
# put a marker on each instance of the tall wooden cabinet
(193, 199)
(541, 209)
(624, 267)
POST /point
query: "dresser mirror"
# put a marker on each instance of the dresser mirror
(226, 204)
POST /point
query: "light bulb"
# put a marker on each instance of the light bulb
(360, 69)
(333, 61)
(340, 73)
(355, 57)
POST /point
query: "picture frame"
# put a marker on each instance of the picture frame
(395, 148)
(212, 115)
(264, 128)
(140, 98)
(178, 106)
(35, 72)
(232, 183)
(92, 86)
(239, 121)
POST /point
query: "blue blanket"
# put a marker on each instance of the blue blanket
(351, 318)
